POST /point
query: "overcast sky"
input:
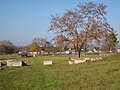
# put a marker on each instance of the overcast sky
(23, 20)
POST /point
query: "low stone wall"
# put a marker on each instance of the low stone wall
(13, 63)
(75, 61)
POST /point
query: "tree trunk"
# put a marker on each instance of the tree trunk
(79, 51)
(60, 51)
(85, 50)
(76, 49)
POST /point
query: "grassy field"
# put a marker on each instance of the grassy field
(102, 75)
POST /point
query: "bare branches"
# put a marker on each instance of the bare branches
(84, 24)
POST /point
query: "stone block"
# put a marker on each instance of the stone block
(87, 59)
(24, 63)
(97, 59)
(47, 62)
(92, 59)
(34, 55)
(76, 61)
(14, 63)
(79, 61)
(71, 62)
(100, 58)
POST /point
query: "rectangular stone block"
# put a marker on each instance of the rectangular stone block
(14, 63)
(79, 61)
(48, 62)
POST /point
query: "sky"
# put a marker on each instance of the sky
(23, 20)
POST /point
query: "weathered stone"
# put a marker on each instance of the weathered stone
(72, 59)
(34, 55)
(92, 59)
(75, 61)
(47, 62)
(96, 59)
(14, 63)
(87, 59)
(71, 62)
(100, 58)
(3, 62)
(79, 61)
(24, 63)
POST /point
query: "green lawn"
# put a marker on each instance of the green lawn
(102, 75)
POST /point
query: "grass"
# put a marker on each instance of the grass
(103, 75)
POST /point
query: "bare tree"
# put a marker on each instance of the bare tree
(6, 47)
(82, 25)
(60, 42)
(43, 44)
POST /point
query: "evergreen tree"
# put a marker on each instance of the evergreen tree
(112, 40)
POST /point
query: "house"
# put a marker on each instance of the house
(118, 49)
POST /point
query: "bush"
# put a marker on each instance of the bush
(22, 54)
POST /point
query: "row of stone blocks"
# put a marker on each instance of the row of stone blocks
(75, 61)
(13, 63)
